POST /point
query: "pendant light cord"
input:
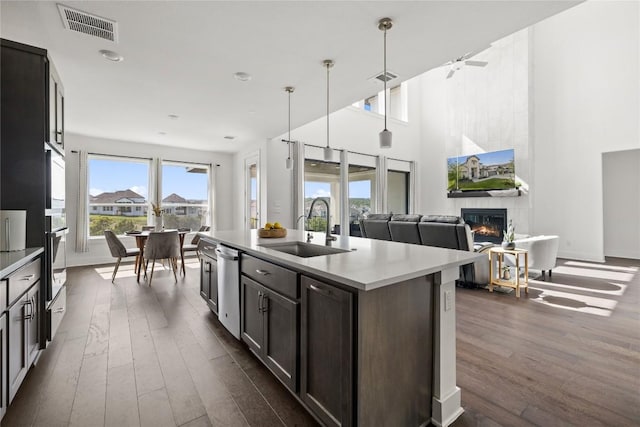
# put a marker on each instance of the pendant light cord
(328, 66)
(289, 138)
(385, 77)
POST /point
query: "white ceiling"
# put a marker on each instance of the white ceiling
(180, 58)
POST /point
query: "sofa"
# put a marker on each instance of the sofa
(443, 231)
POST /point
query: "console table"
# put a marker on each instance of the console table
(517, 282)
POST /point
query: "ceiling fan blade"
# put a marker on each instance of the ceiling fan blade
(450, 73)
(447, 63)
(476, 63)
(465, 56)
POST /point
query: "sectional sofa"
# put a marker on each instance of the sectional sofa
(451, 232)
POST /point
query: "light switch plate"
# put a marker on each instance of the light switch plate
(447, 300)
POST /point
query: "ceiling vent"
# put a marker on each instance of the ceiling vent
(83, 22)
(390, 75)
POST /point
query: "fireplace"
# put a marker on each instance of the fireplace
(487, 224)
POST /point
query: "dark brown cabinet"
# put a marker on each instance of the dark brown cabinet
(3, 363)
(23, 323)
(326, 352)
(33, 324)
(18, 330)
(209, 282)
(56, 109)
(269, 326)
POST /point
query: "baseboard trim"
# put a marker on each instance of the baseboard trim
(445, 411)
(578, 256)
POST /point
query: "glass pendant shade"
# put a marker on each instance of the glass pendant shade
(385, 138)
(328, 153)
(289, 163)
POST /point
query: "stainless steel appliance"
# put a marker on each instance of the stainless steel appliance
(56, 239)
(55, 188)
(229, 289)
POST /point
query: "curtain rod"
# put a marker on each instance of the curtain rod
(342, 149)
(146, 158)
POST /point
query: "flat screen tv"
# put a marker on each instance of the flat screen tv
(482, 172)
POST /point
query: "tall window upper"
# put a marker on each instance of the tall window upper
(397, 98)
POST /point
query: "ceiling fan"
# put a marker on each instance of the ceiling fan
(461, 61)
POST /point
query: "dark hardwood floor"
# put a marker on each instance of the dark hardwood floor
(568, 354)
(130, 354)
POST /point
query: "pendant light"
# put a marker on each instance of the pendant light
(289, 90)
(385, 136)
(328, 152)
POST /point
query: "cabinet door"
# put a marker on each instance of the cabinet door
(281, 337)
(33, 324)
(205, 271)
(17, 344)
(251, 324)
(59, 116)
(3, 363)
(326, 349)
(213, 286)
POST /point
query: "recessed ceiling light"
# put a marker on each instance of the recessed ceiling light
(242, 76)
(173, 116)
(229, 137)
(111, 55)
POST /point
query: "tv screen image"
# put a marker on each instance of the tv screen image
(481, 172)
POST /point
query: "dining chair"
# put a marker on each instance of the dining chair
(162, 245)
(193, 246)
(118, 250)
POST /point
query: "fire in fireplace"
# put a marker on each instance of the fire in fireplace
(487, 225)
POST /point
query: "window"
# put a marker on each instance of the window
(321, 179)
(398, 192)
(185, 200)
(115, 186)
(397, 99)
(362, 189)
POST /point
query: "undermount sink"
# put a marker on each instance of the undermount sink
(304, 250)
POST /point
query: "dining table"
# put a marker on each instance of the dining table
(141, 239)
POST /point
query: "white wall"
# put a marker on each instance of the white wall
(586, 93)
(98, 250)
(621, 188)
(479, 109)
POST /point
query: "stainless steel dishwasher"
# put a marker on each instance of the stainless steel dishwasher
(229, 289)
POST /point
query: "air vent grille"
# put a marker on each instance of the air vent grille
(85, 23)
(390, 75)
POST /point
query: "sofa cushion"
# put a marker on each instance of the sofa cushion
(438, 234)
(448, 219)
(405, 231)
(406, 217)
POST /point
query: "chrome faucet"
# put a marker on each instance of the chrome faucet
(328, 237)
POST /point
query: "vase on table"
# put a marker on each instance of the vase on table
(508, 245)
(158, 223)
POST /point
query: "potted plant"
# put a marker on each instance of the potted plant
(506, 273)
(157, 213)
(509, 235)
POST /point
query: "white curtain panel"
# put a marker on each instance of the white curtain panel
(155, 192)
(211, 219)
(82, 215)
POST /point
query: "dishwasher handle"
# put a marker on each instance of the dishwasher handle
(225, 255)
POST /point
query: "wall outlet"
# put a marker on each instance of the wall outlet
(448, 295)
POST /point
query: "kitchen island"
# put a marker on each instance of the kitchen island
(362, 336)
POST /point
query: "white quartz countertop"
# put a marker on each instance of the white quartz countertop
(11, 261)
(368, 265)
